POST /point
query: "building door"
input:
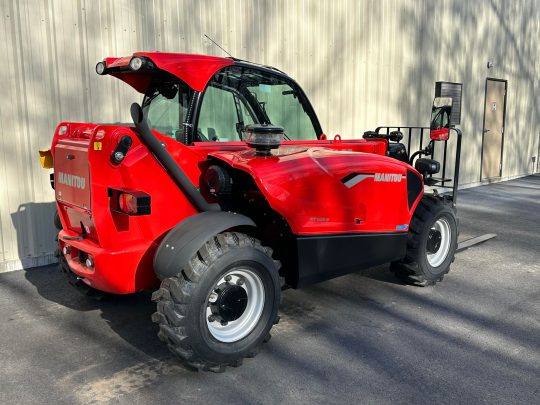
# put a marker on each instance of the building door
(493, 133)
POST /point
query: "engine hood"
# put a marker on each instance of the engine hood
(319, 190)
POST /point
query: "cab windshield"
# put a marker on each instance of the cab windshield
(236, 97)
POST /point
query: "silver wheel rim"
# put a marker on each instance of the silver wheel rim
(437, 258)
(241, 327)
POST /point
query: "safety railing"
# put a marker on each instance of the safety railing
(419, 137)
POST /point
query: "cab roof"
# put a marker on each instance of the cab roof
(194, 70)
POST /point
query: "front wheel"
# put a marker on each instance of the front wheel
(431, 243)
(221, 306)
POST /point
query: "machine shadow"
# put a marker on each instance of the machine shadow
(380, 273)
(127, 315)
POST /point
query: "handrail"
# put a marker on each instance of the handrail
(413, 131)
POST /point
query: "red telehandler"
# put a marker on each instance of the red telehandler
(225, 190)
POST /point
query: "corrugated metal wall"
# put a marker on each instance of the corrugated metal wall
(362, 63)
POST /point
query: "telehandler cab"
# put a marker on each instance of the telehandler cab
(225, 190)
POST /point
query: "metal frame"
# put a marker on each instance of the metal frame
(484, 125)
(420, 131)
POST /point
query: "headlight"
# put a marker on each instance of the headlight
(136, 63)
(100, 68)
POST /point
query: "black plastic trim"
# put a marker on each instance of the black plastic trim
(414, 187)
(324, 257)
(123, 146)
(185, 239)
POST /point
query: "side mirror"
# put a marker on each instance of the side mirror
(440, 118)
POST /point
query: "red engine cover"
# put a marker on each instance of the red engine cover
(323, 191)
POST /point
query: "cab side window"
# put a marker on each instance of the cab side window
(164, 116)
(223, 114)
(165, 107)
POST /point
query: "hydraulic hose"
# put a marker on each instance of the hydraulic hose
(173, 169)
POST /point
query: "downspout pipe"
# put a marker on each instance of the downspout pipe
(173, 169)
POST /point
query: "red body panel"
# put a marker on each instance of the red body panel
(71, 172)
(128, 242)
(123, 246)
(308, 188)
(194, 70)
(314, 185)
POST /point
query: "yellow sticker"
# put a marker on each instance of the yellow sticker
(97, 146)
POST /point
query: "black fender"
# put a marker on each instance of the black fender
(186, 238)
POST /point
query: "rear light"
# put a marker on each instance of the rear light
(129, 202)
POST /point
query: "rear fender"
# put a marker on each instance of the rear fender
(185, 239)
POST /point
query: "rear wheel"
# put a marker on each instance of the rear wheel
(221, 306)
(431, 243)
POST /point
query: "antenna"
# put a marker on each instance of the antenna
(216, 44)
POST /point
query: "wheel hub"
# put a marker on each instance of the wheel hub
(235, 305)
(230, 303)
(439, 242)
(434, 241)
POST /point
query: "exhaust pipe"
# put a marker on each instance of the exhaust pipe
(160, 153)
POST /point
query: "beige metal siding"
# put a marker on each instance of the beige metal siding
(362, 63)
